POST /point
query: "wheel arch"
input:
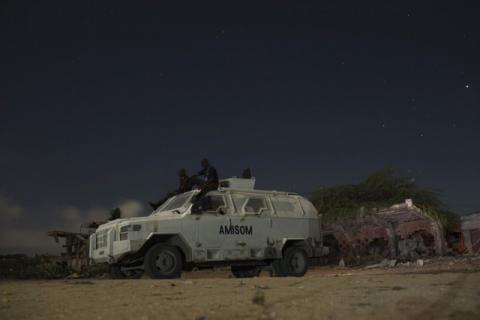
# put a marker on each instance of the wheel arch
(175, 240)
(302, 243)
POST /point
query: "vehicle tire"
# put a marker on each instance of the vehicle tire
(163, 261)
(119, 272)
(294, 262)
(245, 271)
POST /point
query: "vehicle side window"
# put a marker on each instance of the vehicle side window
(286, 206)
(250, 204)
(308, 207)
(255, 205)
(216, 201)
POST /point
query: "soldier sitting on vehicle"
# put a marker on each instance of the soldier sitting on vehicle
(115, 213)
(185, 184)
(206, 179)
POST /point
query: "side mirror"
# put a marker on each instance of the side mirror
(222, 210)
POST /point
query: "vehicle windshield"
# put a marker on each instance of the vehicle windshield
(176, 202)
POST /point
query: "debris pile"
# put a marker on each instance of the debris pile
(452, 263)
(75, 256)
(387, 263)
(471, 233)
(400, 232)
(20, 266)
(76, 246)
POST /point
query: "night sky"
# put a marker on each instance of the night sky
(101, 102)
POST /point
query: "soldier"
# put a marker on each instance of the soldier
(206, 179)
(115, 213)
(184, 185)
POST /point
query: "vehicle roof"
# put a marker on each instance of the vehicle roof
(272, 192)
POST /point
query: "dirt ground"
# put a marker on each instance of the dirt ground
(441, 289)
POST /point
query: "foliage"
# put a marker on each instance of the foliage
(380, 190)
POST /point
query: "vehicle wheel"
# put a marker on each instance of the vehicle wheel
(245, 271)
(294, 262)
(119, 272)
(163, 261)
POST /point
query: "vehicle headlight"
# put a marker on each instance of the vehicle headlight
(130, 227)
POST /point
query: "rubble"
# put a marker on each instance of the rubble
(403, 232)
(20, 266)
(383, 264)
(386, 263)
(75, 256)
(470, 230)
(420, 263)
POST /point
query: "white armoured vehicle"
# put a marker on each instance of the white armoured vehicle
(236, 225)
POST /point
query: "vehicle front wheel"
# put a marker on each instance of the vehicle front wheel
(119, 272)
(163, 261)
(245, 271)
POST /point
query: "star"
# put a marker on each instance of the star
(467, 86)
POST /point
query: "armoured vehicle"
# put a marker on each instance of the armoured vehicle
(236, 226)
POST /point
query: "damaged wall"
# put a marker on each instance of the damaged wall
(76, 245)
(471, 232)
(402, 231)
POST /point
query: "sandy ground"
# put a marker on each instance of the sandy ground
(430, 292)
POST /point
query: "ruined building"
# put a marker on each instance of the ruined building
(402, 232)
(76, 246)
(471, 232)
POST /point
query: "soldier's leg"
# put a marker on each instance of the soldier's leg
(197, 181)
(206, 188)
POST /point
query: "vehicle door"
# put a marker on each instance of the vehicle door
(289, 220)
(247, 235)
(208, 223)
